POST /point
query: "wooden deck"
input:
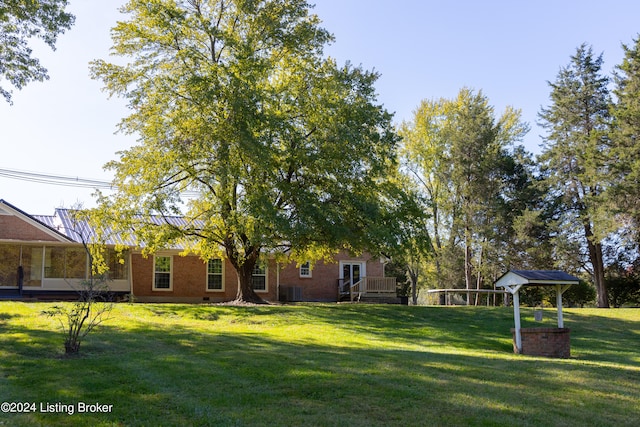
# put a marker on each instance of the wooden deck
(369, 287)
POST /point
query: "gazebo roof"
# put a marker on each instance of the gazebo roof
(536, 278)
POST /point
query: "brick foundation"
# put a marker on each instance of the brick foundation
(546, 342)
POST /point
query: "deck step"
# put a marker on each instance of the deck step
(379, 299)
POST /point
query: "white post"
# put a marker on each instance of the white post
(559, 305)
(278, 280)
(516, 318)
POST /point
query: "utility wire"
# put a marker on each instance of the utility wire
(66, 181)
(44, 178)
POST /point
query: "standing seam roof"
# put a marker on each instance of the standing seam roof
(546, 275)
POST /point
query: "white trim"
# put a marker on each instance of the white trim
(131, 275)
(153, 285)
(363, 267)
(277, 281)
(309, 273)
(206, 285)
(266, 280)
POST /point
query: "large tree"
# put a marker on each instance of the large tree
(575, 156)
(425, 161)
(626, 140)
(461, 157)
(21, 20)
(235, 101)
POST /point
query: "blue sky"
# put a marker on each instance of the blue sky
(422, 49)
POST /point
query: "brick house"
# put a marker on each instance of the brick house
(40, 257)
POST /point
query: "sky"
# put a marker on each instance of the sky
(422, 49)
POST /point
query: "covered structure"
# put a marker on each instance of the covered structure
(558, 346)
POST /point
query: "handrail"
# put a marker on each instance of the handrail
(372, 285)
(367, 286)
(354, 286)
(380, 285)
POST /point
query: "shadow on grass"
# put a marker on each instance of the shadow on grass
(603, 338)
(213, 312)
(253, 379)
(184, 376)
(5, 316)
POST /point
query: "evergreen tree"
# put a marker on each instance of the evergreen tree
(575, 156)
(626, 147)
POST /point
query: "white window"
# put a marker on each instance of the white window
(259, 278)
(215, 275)
(162, 273)
(305, 269)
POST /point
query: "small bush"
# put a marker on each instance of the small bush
(79, 318)
(623, 289)
(584, 293)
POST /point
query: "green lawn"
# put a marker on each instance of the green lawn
(320, 365)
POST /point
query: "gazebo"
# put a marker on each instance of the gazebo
(549, 342)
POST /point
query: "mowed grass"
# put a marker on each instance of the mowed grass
(320, 365)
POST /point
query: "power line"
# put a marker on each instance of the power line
(45, 178)
(66, 181)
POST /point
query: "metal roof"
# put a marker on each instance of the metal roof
(535, 278)
(78, 229)
(546, 275)
(75, 229)
(68, 227)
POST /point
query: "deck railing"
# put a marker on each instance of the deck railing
(372, 286)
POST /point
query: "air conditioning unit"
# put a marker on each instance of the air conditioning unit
(294, 294)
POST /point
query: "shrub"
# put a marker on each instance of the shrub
(623, 289)
(79, 318)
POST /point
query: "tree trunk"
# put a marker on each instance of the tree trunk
(245, 284)
(438, 247)
(479, 277)
(244, 266)
(595, 254)
(413, 276)
(597, 262)
(72, 347)
(468, 277)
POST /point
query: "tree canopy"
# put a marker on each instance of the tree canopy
(626, 146)
(576, 156)
(463, 161)
(21, 20)
(234, 102)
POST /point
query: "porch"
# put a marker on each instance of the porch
(370, 288)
